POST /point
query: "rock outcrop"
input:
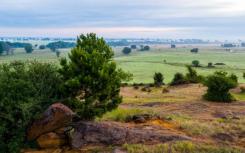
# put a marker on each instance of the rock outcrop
(110, 133)
(55, 117)
(51, 140)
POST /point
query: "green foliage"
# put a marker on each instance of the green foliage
(144, 48)
(158, 79)
(243, 75)
(28, 48)
(178, 79)
(91, 78)
(234, 78)
(60, 44)
(219, 85)
(126, 50)
(194, 50)
(57, 52)
(41, 47)
(192, 76)
(26, 89)
(195, 63)
(133, 47)
(1, 48)
(4, 47)
(210, 64)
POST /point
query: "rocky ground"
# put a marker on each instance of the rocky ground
(166, 119)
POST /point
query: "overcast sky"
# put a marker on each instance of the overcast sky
(208, 19)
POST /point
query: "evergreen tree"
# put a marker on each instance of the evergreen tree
(91, 78)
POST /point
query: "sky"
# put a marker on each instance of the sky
(209, 19)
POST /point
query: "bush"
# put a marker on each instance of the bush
(244, 75)
(178, 79)
(126, 50)
(133, 47)
(210, 65)
(195, 63)
(28, 48)
(41, 47)
(26, 90)
(92, 80)
(144, 48)
(219, 85)
(158, 79)
(234, 78)
(194, 50)
(192, 76)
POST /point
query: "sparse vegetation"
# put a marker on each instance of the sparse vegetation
(179, 147)
(123, 115)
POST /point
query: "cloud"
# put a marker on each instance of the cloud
(122, 14)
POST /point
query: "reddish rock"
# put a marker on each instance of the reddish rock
(55, 117)
(110, 133)
(51, 140)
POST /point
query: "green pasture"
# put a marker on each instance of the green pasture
(143, 65)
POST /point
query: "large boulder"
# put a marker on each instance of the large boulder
(55, 117)
(110, 133)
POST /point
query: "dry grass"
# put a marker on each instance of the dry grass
(179, 147)
(175, 94)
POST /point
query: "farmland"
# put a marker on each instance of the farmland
(160, 58)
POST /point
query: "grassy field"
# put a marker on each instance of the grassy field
(143, 65)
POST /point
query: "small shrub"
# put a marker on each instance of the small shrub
(126, 50)
(192, 76)
(219, 64)
(146, 89)
(178, 79)
(165, 90)
(234, 77)
(242, 89)
(219, 85)
(194, 50)
(210, 65)
(196, 63)
(133, 47)
(29, 48)
(136, 87)
(158, 79)
(41, 47)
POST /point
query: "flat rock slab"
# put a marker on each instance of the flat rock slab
(111, 133)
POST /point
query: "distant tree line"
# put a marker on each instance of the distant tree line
(128, 50)
(228, 45)
(60, 45)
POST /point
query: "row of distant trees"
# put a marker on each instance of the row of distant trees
(8, 47)
(128, 50)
